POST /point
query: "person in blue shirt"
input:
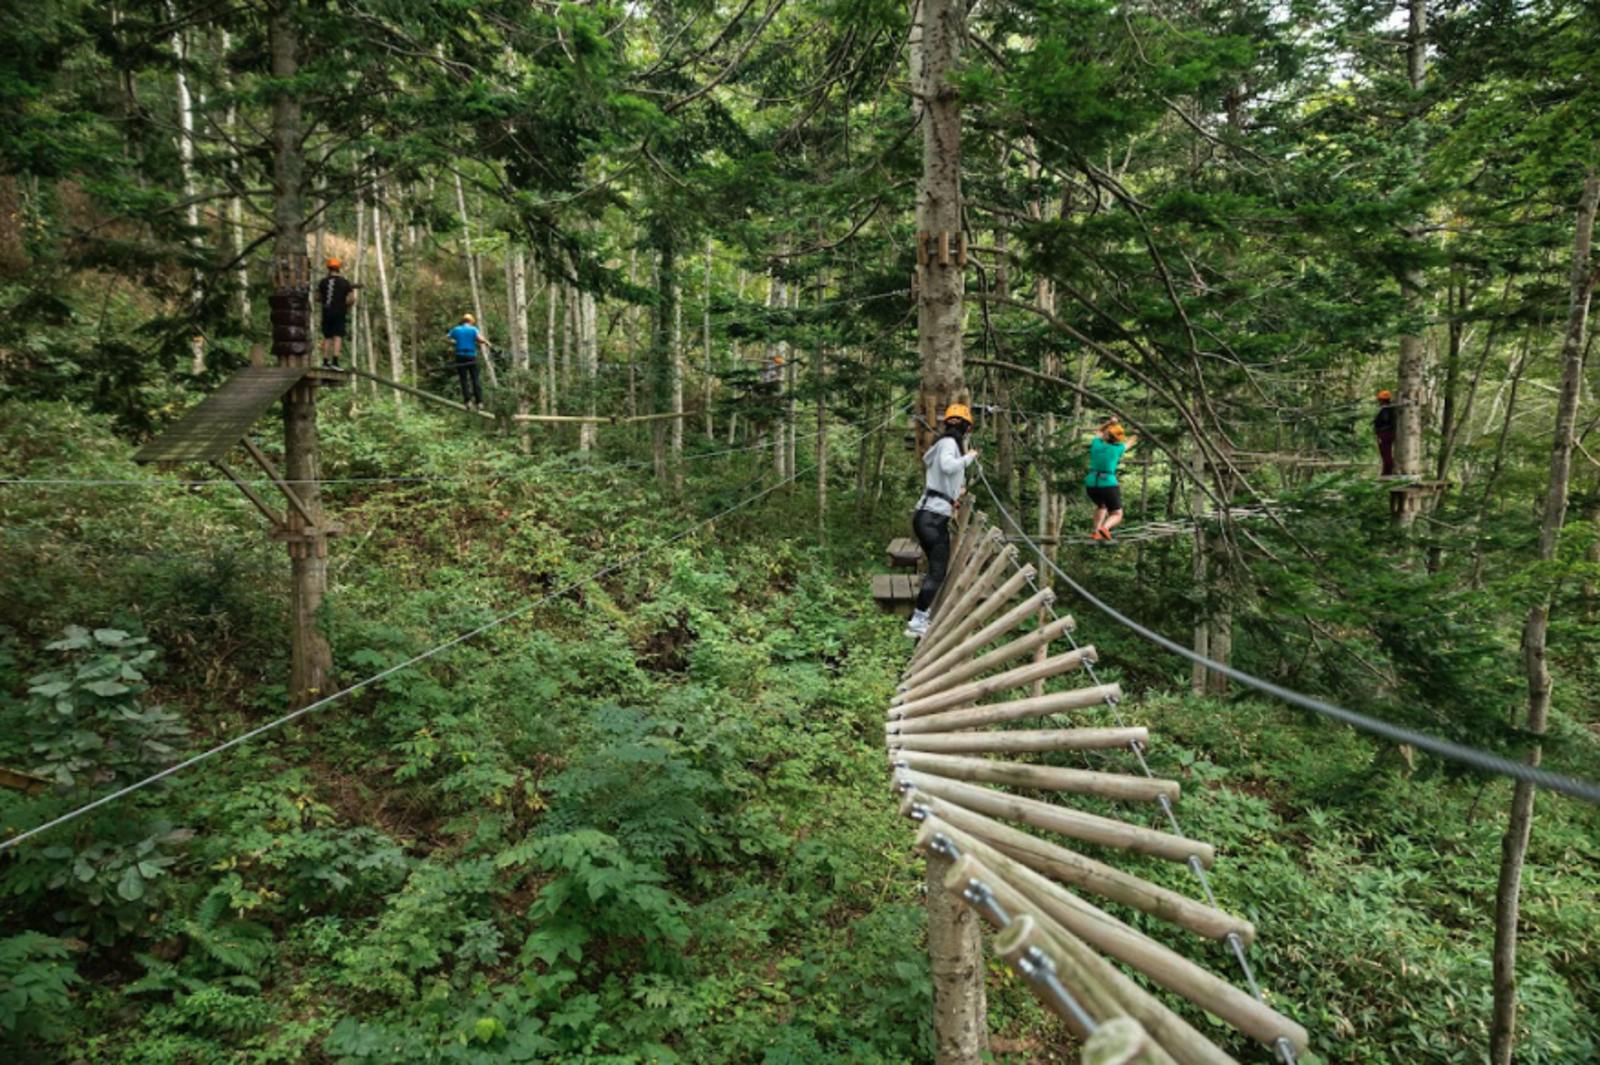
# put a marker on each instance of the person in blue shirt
(466, 339)
(1105, 452)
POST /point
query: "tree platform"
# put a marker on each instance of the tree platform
(896, 591)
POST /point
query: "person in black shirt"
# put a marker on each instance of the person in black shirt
(334, 296)
(1383, 428)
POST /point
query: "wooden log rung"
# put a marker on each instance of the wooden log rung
(1074, 824)
(1067, 866)
(1000, 682)
(987, 602)
(949, 669)
(1016, 709)
(1019, 741)
(1119, 786)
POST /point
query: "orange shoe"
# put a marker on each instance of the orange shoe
(1099, 534)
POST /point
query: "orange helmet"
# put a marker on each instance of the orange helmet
(333, 264)
(1384, 395)
(1115, 431)
(958, 410)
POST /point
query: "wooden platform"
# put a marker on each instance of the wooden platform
(905, 553)
(210, 429)
(896, 591)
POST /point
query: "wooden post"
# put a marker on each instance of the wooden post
(311, 657)
(955, 959)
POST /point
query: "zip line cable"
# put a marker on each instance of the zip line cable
(682, 534)
(1283, 1049)
(1472, 757)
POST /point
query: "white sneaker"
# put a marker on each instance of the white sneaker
(918, 625)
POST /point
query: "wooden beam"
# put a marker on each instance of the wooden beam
(277, 478)
(984, 603)
(27, 783)
(273, 517)
(419, 393)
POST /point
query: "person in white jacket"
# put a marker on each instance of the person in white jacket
(946, 465)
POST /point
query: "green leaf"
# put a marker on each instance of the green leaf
(131, 886)
(108, 687)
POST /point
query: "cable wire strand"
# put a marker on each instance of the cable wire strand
(1472, 757)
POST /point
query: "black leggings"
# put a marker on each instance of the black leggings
(471, 386)
(933, 533)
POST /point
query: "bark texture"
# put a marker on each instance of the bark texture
(939, 303)
(960, 1013)
(311, 656)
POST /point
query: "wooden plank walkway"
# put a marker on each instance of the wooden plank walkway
(904, 552)
(209, 430)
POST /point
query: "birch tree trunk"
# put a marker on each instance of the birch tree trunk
(589, 356)
(241, 272)
(551, 393)
(1519, 826)
(517, 305)
(191, 208)
(632, 335)
(390, 331)
(360, 320)
(820, 375)
(677, 387)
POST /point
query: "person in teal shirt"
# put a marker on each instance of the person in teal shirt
(1105, 452)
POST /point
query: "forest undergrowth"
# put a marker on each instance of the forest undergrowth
(647, 822)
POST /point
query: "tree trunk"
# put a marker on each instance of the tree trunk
(311, 657)
(589, 357)
(517, 311)
(1412, 371)
(390, 331)
(632, 332)
(954, 950)
(191, 209)
(677, 387)
(361, 319)
(939, 303)
(662, 355)
(705, 330)
(820, 376)
(1519, 826)
(791, 410)
(241, 272)
(552, 395)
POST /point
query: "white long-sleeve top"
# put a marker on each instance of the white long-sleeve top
(946, 470)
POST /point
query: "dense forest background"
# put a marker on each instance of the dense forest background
(646, 821)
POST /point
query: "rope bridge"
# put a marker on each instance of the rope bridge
(1027, 886)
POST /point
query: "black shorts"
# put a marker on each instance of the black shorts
(333, 324)
(1108, 496)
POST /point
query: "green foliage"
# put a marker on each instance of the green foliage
(36, 980)
(87, 722)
